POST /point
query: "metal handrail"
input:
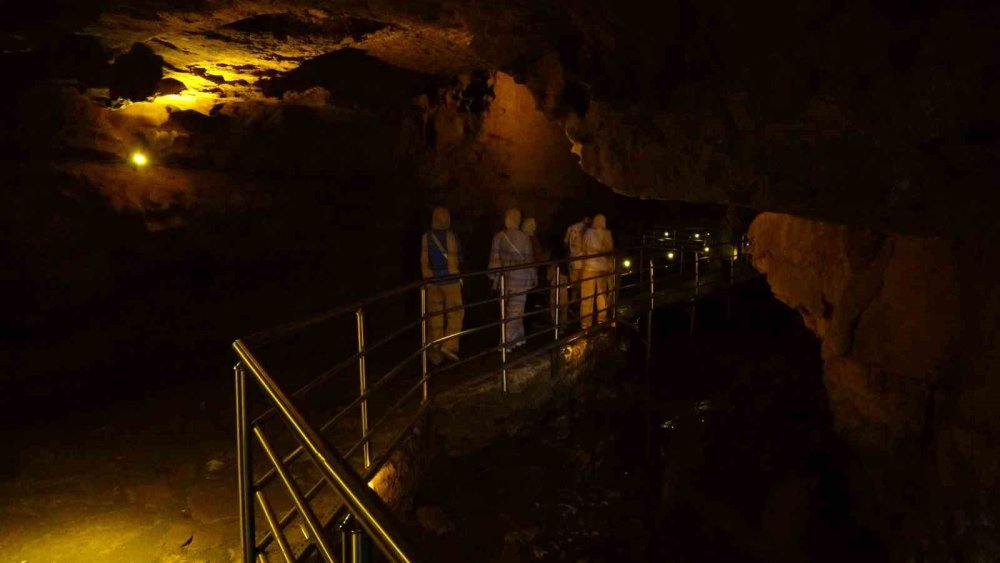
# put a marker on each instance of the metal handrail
(359, 500)
(269, 335)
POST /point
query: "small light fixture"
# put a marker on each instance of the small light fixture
(627, 263)
(139, 159)
(666, 234)
(670, 256)
(696, 235)
(705, 249)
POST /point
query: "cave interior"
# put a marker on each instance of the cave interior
(178, 174)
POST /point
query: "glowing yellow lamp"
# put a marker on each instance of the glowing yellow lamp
(706, 249)
(139, 159)
(670, 256)
(696, 235)
(627, 263)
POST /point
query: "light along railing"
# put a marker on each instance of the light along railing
(359, 508)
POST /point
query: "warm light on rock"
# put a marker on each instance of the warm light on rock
(299, 150)
(381, 482)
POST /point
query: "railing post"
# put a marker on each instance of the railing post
(642, 259)
(554, 356)
(694, 300)
(649, 317)
(363, 380)
(354, 544)
(558, 311)
(697, 261)
(652, 285)
(244, 468)
(612, 297)
(732, 281)
(423, 340)
(503, 331)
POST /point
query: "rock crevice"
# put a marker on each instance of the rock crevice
(909, 365)
(896, 313)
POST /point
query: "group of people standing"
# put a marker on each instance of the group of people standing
(590, 276)
(589, 281)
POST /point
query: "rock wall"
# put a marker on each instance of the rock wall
(850, 111)
(909, 336)
(773, 108)
(509, 155)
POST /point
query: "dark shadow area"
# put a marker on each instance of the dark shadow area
(135, 74)
(722, 451)
(352, 77)
(100, 310)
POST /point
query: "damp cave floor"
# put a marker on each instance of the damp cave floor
(143, 478)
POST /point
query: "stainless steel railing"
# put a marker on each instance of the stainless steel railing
(639, 277)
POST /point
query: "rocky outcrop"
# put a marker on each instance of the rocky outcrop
(885, 308)
(774, 109)
(906, 323)
(881, 116)
(854, 112)
(908, 335)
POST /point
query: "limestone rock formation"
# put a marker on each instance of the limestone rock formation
(856, 112)
(876, 121)
(908, 336)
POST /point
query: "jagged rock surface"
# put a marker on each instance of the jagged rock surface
(908, 337)
(881, 116)
(873, 112)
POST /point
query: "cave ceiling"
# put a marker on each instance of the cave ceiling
(882, 112)
(222, 50)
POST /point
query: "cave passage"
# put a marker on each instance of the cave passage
(178, 175)
(721, 448)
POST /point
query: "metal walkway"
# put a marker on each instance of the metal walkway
(306, 488)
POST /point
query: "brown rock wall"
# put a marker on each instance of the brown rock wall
(908, 332)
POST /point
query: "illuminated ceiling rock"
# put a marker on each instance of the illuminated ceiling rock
(223, 51)
(687, 100)
(175, 59)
